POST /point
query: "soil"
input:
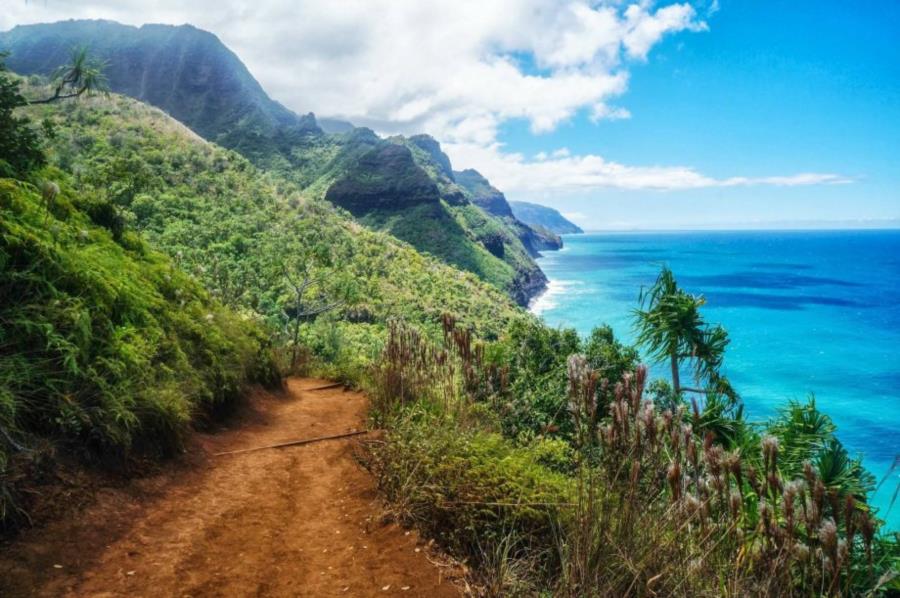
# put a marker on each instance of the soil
(293, 521)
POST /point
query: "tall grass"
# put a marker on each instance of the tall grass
(663, 511)
(647, 501)
(106, 347)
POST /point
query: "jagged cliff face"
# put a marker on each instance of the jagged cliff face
(492, 200)
(483, 194)
(404, 186)
(183, 70)
(543, 218)
(384, 178)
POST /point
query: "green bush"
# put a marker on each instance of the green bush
(106, 346)
(467, 487)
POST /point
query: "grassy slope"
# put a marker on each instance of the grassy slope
(190, 74)
(106, 345)
(235, 226)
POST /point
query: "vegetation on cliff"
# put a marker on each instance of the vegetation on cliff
(107, 347)
(543, 217)
(147, 274)
(401, 186)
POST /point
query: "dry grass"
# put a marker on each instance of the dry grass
(653, 508)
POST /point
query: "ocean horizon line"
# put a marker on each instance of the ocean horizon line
(735, 230)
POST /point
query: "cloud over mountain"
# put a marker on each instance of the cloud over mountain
(455, 69)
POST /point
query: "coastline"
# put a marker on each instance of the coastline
(758, 276)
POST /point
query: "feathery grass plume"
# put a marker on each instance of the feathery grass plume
(660, 505)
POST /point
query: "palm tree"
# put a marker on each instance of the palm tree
(670, 326)
(806, 435)
(83, 74)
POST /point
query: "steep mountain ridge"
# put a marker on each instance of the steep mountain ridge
(493, 201)
(403, 186)
(542, 217)
(183, 70)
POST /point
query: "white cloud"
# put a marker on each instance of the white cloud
(602, 111)
(452, 68)
(645, 29)
(570, 174)
(457, 69)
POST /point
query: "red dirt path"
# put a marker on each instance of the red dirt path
(295, 521)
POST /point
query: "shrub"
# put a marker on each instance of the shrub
(636, 499)
(107, 348)
(467, 487)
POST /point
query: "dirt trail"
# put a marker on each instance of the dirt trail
(296, 521)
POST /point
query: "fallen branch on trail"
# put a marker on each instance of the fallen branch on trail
(333, 385)
(292, 443)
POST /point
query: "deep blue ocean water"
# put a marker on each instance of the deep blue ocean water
(807, 312)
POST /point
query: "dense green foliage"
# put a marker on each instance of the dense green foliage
(238, 229)
(20, 149)
(106, 345)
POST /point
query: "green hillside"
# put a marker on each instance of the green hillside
(107, 347)
(385, 187)
(236, 227)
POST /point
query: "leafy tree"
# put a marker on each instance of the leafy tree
(20, 148)
(83, 74)
(308, 300)
(670, 326)
(607, 356)
(311, 281)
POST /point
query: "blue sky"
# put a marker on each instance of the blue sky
(769, 88)
(624, 114)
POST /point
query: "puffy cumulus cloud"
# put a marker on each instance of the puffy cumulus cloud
(457, 69)
(644, 29)
(562, 173)
(452, 68)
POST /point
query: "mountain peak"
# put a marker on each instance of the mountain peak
(431, 145)
(482, 193)
(184, 70)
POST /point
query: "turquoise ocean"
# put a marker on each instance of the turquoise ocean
(807, 313)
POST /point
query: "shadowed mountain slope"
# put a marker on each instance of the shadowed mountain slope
(403, 186)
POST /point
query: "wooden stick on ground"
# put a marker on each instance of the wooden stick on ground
(334, 385)
(292, 443)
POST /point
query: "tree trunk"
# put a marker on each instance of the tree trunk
(676, 379)
(296, 339)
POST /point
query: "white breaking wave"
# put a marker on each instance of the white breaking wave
(548, 299)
